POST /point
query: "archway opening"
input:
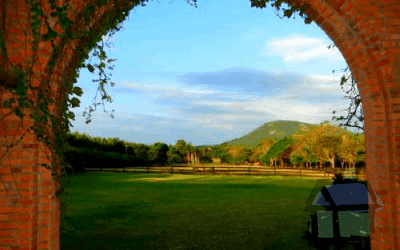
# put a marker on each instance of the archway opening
(364, 37)
(206, 79)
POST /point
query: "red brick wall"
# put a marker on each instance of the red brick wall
(29, 211)
(367, 32)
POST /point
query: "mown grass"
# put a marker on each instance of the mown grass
(149, 211)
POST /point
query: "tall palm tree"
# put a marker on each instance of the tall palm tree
(189, 151)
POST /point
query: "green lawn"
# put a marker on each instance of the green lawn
(147, 211)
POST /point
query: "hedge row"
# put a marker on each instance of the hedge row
(81, 158)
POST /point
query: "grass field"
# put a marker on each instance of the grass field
(147, 211)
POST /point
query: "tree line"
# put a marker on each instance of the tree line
(324, 145)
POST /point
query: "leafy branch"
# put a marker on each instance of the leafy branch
(287, 12)
(103, 69)
(355, 112)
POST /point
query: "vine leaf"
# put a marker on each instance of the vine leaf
(74, 102)
(18, 112)
(8, 103)
(71, 115)
(90, 68)
(77, 91)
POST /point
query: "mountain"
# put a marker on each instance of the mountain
(271, 130)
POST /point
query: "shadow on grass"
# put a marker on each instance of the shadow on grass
(352, 243)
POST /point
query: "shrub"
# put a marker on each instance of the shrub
(81, 158)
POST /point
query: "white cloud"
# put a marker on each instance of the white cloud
(232, 105)
(302, 49)
(326, 78)
(219, 126)
(280, 107)
(324, 84)
(223, 118)
(304, 110)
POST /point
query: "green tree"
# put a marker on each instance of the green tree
(130, 150)
(323, 142)
(310, 158)
(189, 153)
(175, 158)
(158, 152)
(301, 153)
(327, 146)
(237, 154)
(196, 154)
(181, 147)
(274, 153)
(205, 154)
(241, 156)
(172, 149)
(221, 153)
(350, 150)
(297, 159)
(261, 149)
(142, 153)
(172, 155)
(119, 146)
(361, 151)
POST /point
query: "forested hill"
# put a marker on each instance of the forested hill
(271, 130)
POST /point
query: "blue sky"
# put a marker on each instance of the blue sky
(212, 74)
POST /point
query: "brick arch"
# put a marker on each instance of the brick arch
(365, 31)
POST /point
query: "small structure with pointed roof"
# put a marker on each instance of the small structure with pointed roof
(342, 209)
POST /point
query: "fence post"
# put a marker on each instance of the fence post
(274, 171)
(300, 171)
(172, 169)
(204, 170)
(213, 170)
(147, 168)
(249, 170)
(228, 170)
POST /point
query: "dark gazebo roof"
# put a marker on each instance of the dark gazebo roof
(343, 197)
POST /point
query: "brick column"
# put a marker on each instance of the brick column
(29, 210)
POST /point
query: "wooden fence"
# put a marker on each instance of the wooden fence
(234, 170)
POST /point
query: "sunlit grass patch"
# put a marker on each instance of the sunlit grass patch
(174, 177)
(148, 211)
